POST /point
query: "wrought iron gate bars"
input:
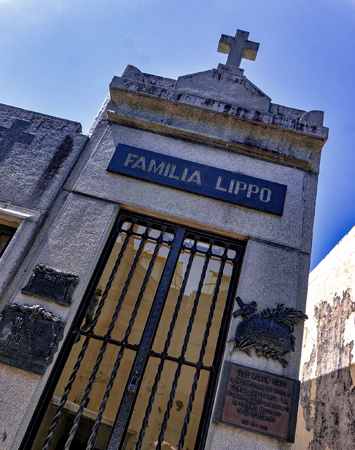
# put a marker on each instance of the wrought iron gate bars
(124, 341)
(184, 347)
(203, 349)
(85, 398)
(166, 347)
(184, 241)
(127, 403)
(87, 340)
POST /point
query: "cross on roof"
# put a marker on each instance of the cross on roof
(16, 133)
(238, 47)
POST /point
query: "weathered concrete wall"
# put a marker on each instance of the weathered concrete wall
(327, 402)
(37, 153)
(92, 220)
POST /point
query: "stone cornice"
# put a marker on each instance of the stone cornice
(263, 135)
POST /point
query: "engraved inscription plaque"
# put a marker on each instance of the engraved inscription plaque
(29, 337)
(258, 401)
(51, 284)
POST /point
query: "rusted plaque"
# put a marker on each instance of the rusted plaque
(258, 401)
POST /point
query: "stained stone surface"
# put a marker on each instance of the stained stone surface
(221, 91)
(327, 402)
(37, 153)
(230, 87)
(225, 437)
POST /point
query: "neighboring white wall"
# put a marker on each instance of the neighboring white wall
(327, 402)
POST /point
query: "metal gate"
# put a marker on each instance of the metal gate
(145, 353)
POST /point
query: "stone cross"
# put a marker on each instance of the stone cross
(238, 47)
(16, 133)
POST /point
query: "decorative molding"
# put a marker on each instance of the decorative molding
(171, 131)
(269, 332)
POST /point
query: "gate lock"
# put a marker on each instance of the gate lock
(132, 387)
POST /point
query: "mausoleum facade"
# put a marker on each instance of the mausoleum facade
(154, 273)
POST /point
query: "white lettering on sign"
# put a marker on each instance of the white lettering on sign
(165, 169)
(189, 176)
(129, 158)
(153, 166)
(218, 185)
(172, 172)
(252, 189)
(262, 196)
(140, 164)
(240, 187)
(195, 177)
(200, 179)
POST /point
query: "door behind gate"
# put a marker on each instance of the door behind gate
(142, 370)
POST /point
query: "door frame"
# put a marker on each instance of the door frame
(63, 355)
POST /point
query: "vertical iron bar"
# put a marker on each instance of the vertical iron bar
(202, 351)
(219, 350)
(166, 347)
(184, 348)
(141, 359)
(85, 398)
(124, 341)
(86, 342)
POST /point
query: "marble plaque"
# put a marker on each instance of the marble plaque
(258, 401)
(29, 337)
(51, 284)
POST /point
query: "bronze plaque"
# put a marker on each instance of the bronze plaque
(51, 284)
(258, 401)
(29, 337)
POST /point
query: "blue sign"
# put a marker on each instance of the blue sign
(200, 179)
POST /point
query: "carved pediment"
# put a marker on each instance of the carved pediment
(224, 84)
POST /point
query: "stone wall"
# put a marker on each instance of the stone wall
(327, 401)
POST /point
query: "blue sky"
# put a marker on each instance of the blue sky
(59, 56)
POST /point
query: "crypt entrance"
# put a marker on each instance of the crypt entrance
(144, 355)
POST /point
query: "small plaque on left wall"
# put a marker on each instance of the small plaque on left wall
(51, 284)
(29, 337)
